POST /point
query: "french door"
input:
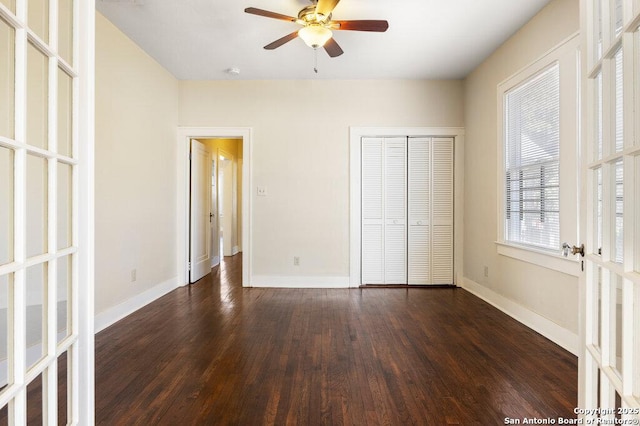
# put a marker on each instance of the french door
(610, 320)
(46, 246)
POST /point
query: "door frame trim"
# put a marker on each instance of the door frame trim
(184, 135)
(355, 136)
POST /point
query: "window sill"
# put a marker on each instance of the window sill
(540, 258)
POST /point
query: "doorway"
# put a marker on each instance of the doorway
(240, 140)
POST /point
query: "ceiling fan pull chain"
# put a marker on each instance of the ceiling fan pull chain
(315, 55)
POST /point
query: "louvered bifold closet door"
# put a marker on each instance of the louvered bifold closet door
(442, 211)
(372, 211)
(395, 196)
(419, 209)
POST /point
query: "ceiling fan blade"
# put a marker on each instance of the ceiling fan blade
(268, 14)
(363, 25)
(325, 7)
(279, 42)
(332, 48)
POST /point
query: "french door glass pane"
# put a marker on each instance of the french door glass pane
(598, 117)
(63, 389)
(597, 8)
(11, 4)
(38, 18)
(636, 234)
(36, 289)
(63, 306)
(64, 205)
(617, 17)
(598, 313)
(7, 80)
(636, 333)
(619, 100)
(598, 212)
(34, 402)
(596, 307)
(37, 97)
(37, 202)
(617, 320)
(65, 97)
(65, 30)
(6, 201)
(618, 234)
(4, 329)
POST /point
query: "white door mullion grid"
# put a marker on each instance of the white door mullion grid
(14, 395)
(616, 364)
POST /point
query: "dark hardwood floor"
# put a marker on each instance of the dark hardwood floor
(216, 353)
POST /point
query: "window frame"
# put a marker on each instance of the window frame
(566, 55)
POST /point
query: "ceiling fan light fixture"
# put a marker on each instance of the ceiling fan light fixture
(315, 36)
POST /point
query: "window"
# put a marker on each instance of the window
(537, 177)
(532, 161)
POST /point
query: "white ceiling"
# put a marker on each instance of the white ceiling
(426, 39)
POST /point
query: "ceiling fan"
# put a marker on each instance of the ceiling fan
(317, 26)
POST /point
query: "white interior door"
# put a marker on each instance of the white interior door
(395, 208)
(610, 298)
(372, 222)
(201, 214)
(227, 203)
(215, 238)
(442, 211)
(419, 211)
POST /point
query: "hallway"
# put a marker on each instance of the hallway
(217, 353)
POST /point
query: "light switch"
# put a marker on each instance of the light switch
(262, 191)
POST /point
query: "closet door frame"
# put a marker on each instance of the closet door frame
(355, 136)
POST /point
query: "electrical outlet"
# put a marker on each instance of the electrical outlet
(296, 261)
(486, 272)
(262, 191)
(133, 275)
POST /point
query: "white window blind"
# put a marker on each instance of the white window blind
(532, 149)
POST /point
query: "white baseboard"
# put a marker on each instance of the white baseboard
(215, 261)
(235, 250)
(549, 329)
(299, 282)
(116, 313)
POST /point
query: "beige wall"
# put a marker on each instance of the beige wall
(550, 294)
(136, 119)
(301, 155)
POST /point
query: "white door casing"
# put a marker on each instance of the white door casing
(201, 214)
(184, 136)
